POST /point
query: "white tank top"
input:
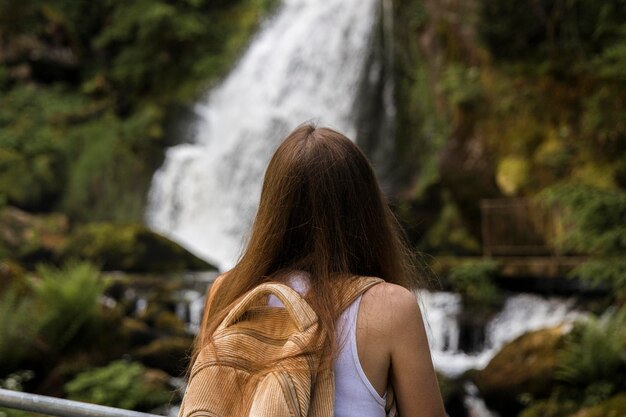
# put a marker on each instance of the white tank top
(354, 394)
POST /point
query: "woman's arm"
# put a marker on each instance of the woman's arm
(412, 373)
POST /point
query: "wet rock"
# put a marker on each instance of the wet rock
(136, 332)
(130, 247)
(523, 367)
(169, 354)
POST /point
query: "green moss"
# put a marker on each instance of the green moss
(524, 368)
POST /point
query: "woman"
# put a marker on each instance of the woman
(322, 219)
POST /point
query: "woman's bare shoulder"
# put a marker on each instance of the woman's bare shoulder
(391, 305)
(386, 293)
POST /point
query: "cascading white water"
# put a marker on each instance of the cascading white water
(307, 63)
(521, 313)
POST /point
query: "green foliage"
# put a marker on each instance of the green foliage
(18, 327)
(449, 234)
(602, 115)
(594, 356)
(68, 301)
(421, 128)
(551, 407)
(595, 223)
(560, 30)
(461, 85)
(596, 217)
(612, 407)
(120, 384)
(32, 143)
(609, 272)
(474, 281)
(81, 129)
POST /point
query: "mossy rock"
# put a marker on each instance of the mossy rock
(131, 248)
(523, 367)
(613, 407)
(163, 321)
(30, 238)
(170, 354)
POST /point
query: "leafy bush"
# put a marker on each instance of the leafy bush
(595, 220)
(90, 113)
(18, 328)
(120, 384)
(68, 301)
(594, 356)
(548, 28)
(609, 272)
(474, 281)
(595, 217)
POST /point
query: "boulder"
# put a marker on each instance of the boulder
(170, 354)
(136, 332)
(523, 367)
(130, 247)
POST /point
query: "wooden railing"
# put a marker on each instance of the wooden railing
(520, 227)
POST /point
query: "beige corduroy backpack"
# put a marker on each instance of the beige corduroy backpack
(256, 364)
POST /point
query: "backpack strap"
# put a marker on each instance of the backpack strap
(357, 287)
(300, 312)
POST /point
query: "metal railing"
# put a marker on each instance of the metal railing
(60, 407)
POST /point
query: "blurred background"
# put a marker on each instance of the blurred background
(134, 136)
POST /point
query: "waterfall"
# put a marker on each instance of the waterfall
(307, 63)
(520, 313)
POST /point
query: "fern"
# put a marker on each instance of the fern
(69, 301)
(595, 351)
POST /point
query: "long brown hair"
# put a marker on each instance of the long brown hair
(321, 211)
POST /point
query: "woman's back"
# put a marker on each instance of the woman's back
(380, 329)
(322, 211)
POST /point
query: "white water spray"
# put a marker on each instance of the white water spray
(521, 313)
(306, 64)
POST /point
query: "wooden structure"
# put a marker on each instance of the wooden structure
(519, 227)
